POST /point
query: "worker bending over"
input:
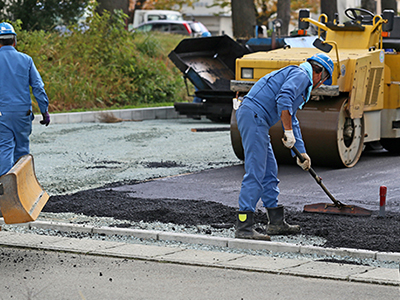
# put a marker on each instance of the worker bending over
(276, 96)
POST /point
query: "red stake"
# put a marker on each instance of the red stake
(382, 203)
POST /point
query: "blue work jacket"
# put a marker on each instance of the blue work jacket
(285, 89)
(17, 73)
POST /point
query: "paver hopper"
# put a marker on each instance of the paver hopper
(209, 63)
(21, 196)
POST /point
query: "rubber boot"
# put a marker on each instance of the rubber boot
(244, 227)
(277, 223)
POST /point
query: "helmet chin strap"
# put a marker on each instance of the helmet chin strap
(319, 82)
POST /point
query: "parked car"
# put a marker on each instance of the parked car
(189, 28)
(198, 29)
(143, 16)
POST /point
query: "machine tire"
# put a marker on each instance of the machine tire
(236, 139)
(392, 145)
(218, 119)
(351, 146)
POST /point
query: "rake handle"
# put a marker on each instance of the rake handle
(317, 178)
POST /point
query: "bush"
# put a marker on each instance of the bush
(104, 66)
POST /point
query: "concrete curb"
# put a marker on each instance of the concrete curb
(274, 247)
(275, 265)
(134, 114)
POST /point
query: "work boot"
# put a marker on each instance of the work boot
(277, 224)
(244, 227)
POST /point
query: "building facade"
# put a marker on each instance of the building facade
(218, 20)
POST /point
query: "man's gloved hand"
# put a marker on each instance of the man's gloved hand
(306, 164)
(288, 139)
(46, 119)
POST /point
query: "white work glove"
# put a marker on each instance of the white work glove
(306, 164)
(288, 139)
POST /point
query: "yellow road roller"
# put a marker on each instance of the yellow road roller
(361, 107)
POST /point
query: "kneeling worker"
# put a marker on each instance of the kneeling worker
(276, 96)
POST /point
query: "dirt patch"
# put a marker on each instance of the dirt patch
(370, 233)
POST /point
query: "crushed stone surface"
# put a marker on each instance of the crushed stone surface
(74, 157)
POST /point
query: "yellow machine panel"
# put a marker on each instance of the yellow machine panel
(392, 80)
(265, 62)
(358, 91)
(355, 39)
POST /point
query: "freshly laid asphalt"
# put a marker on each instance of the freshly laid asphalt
(49, 267)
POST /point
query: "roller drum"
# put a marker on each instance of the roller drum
(332, 139)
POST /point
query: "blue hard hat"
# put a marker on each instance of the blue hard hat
(6, 31)
(325, 61)
(206, 34)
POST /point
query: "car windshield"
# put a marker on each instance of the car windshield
(195, 27)
(172, 17)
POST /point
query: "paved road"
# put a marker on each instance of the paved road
(354, 186)
(33, 274)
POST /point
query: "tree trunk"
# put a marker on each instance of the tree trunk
(329, 7)
(243, 18)
(389, 4)
(283, 8)
(369, 5)
(110, 5)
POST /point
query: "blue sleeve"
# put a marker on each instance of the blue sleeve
(294, 85)
(36, 82)
(297, 135)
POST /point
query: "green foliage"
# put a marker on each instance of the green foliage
(104, 66)
(44, 14)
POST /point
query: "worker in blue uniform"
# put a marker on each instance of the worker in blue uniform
(17, 74)
(276, 96)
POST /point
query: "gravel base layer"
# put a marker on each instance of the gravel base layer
(75, 157)
(80, 164)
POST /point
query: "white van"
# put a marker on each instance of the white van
(142, 16)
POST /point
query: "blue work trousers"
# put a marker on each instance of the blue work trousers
(15, 128)
(261, 170)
